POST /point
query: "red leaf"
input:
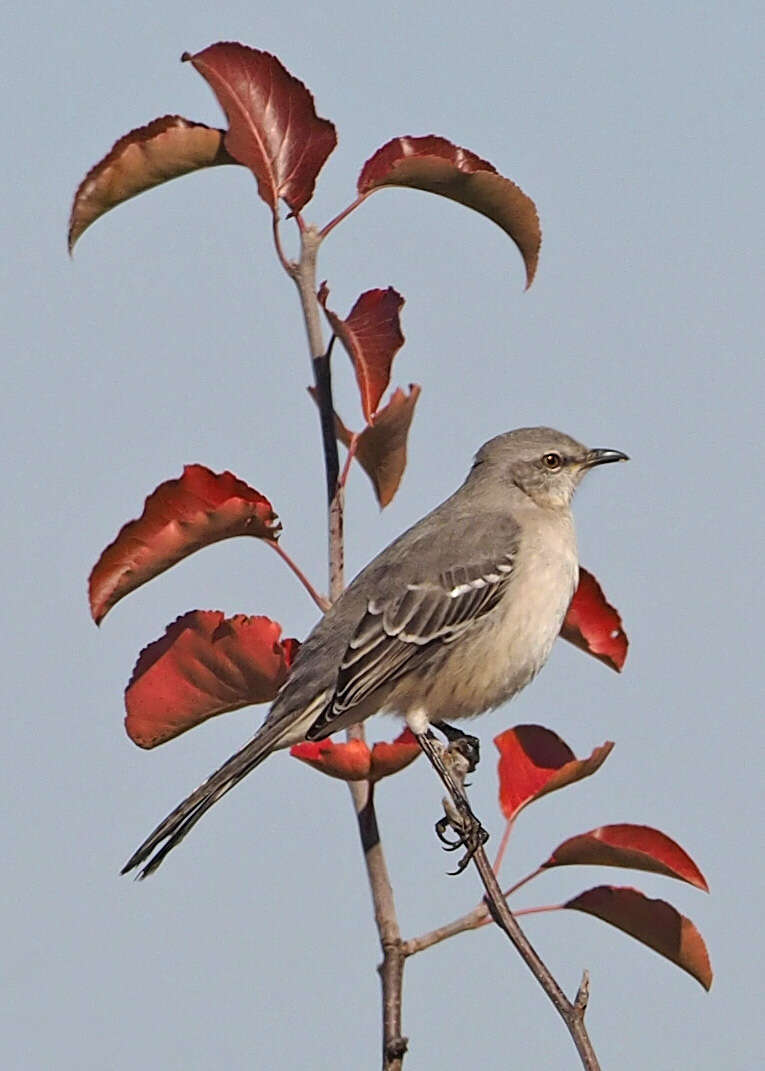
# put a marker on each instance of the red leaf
(654, 922)
(389, 758)
(162, 150)
(594, 625)
(273, 126)
(639, 847)
(437, 166)
(353, 760)
(203, 665)
(372, 335)
(349, 761)
(179, 517)
(534, 761)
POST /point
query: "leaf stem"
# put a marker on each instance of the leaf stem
(342, 215)
(322, 602)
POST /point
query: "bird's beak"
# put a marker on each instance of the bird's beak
(602, 457)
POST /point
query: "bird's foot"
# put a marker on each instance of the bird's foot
(463, 743)
(452, 764)
(459, 759)
(470, 834)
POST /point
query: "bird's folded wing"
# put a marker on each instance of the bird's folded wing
(397, 632)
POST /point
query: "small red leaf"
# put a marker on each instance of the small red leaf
(162, 150)
(638, 847)
(534, 761)
(437, 166)
(389, 758)
(179, 517)
(349, 761)
(594, 625)
(204, 665)
(654, 922)
(353, 760)
(273, 126)
(381, 447)
(372, 335)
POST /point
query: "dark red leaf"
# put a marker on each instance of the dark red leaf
(534, 761)
(204, 665)
(162, 150)
(179, 517)
(353, 760)
(437, 166)
(638, 847)
(381, 447)
(654, 922)
(594, 625)
(273, 126)
(372, 335)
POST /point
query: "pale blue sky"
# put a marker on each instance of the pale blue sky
(173, 337)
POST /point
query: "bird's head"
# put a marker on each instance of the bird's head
(545, 464)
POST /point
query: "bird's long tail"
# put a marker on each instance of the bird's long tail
(186, 815)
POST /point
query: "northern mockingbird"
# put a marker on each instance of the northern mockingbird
(453, 618)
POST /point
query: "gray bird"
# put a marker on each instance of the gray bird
(453, 618)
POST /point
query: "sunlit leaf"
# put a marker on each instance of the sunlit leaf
(204, 665)
(654, 922)
(146, 157)
(371, 333)
(273, 126)
(593, 625)
(534, 761)
(179, 517)
(436, 165)
(390, 757)
(626, 845)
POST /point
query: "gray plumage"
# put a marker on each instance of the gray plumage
(453, 618)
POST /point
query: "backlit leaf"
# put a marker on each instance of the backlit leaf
(179, 517)
(273, 126)
(436, 165)
(593, 625)
(354, 760)
(534, 761)
(371, 333)
(204, 665)
(162, 150)
(654, 922)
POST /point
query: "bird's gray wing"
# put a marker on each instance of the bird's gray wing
(398, 631)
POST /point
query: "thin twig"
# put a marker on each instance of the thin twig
(472, 920)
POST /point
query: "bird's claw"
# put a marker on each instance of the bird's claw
(470, 834)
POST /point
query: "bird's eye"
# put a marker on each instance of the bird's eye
(552, 462)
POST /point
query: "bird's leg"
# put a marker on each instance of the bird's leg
(467, 745)
(451, 765)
